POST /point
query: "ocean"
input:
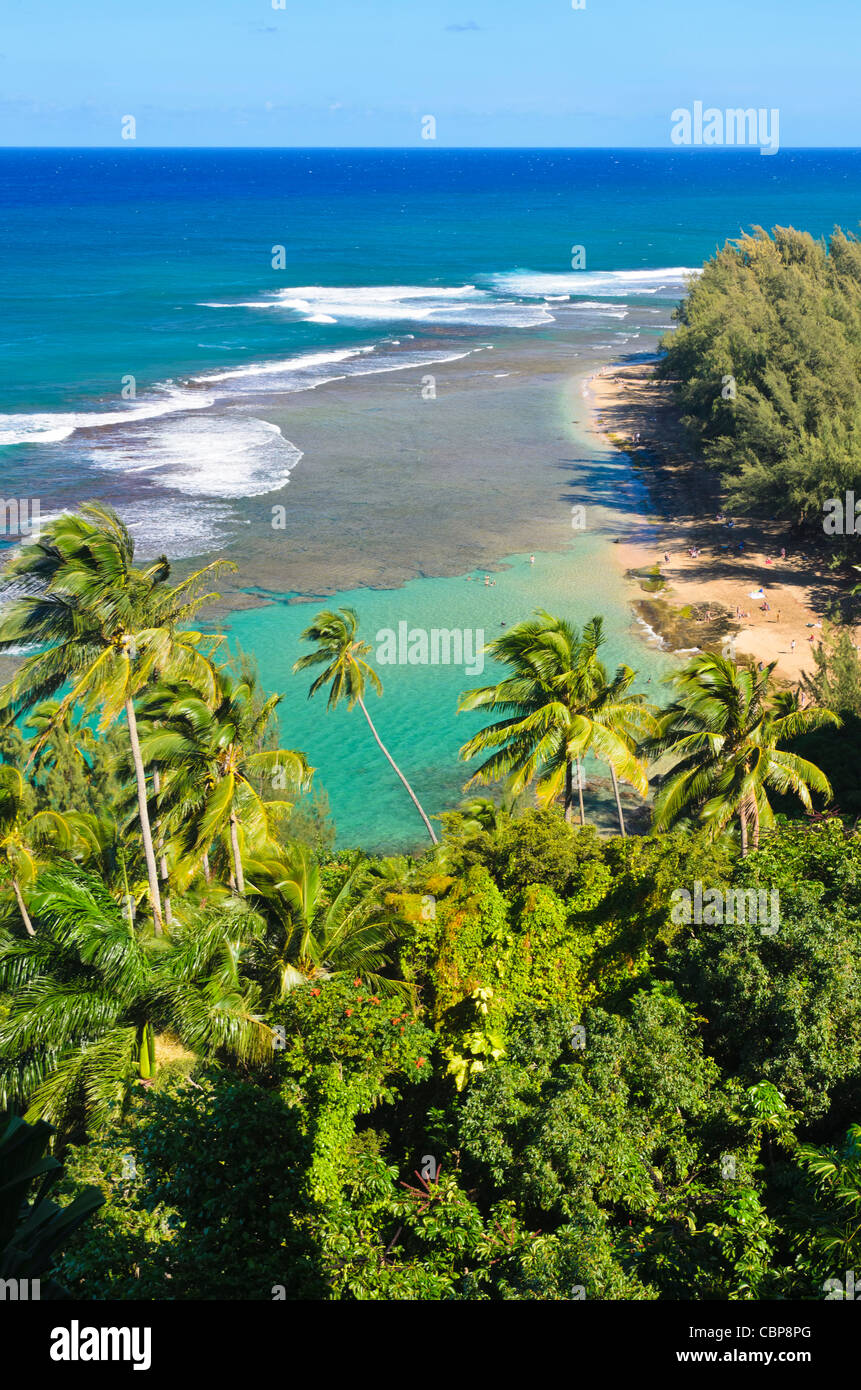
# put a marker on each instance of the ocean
(389, 347)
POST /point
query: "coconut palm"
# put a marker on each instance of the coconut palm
(102, 627)
(313, 936)
(723, 733)
(210, 757)
(557, 705)
(104, 850)
(89, 993)
(348, 673)
(23, 837)
(60, 739)
(611, 705)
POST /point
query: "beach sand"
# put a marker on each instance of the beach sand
(635, 412)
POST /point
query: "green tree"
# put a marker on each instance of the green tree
(103, 628)
(32, 1230)
(211, 753)
(319, 935)
(23, 836)
(723, 735)
(778, 317)
(348, 672)
(558, 705)
(90, 991)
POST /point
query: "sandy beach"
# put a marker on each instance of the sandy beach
(743, 583)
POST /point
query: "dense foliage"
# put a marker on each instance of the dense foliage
(508, 1067)
(767, 357)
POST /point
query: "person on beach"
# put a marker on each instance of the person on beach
(532, 559)
(792, 645)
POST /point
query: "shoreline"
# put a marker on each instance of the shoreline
(717, 595)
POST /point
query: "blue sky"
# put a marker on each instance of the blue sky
(365, 72)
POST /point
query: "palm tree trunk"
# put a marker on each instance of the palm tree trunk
(755, 820)
(580, 791)
(742, 813)
(569, 793)
(618, 801)
(22, 907)
(162, 858)
(237, 859)
(413, 796)
(207, 872)
(143, 814)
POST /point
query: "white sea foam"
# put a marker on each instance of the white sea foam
(670, 282)
(315, 369)
(225, 455)
(464, 304)
(51, 428)
(651, 634)
(306, 364)
(161, 526)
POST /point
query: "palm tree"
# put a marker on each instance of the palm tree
(313, 937)
(724, 733)
(103, 627)
(60, 739)
(611, 705)
(103, 850)
(557, 705)
(88, 992)
(210, 754)
(22, 835)
(344, 657)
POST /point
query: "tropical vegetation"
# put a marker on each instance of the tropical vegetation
(501, 1067)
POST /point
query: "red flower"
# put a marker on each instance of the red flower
(348, 1012)
(375, 999)
(360, 999)
(315, 991)
(420, 1061)
(357, 983)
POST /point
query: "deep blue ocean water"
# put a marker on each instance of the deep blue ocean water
(107, 256)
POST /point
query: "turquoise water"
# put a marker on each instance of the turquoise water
(416, 715)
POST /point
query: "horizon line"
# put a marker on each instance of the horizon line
(431, 146)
